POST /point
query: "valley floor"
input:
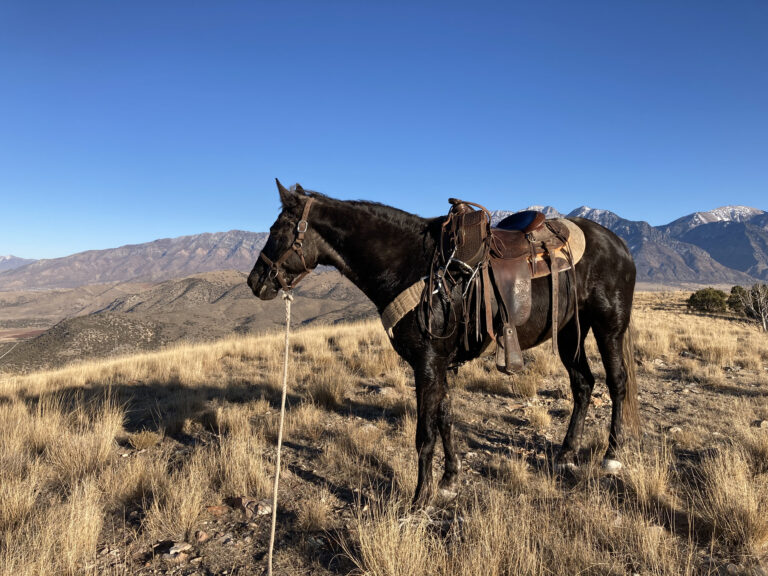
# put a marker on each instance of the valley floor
(162, 462)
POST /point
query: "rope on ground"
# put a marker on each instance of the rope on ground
(288, 297)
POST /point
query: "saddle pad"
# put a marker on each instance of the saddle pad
(576, 241)
(576, 244)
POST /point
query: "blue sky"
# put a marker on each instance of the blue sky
(123, 122)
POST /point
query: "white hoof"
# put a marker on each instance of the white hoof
(611, 466)
(567, 467)
(448, 494)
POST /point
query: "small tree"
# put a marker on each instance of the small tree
(755, 303)
(736, 299)
(708, 300)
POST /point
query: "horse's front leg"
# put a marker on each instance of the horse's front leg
(452, 462)
(430, 393)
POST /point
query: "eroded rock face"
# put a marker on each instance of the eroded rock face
(153, 261)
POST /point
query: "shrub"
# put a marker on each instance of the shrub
(708, 300)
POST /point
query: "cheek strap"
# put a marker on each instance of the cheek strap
(276, 268)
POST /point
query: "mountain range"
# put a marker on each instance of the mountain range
(150, 262)
(728, 245)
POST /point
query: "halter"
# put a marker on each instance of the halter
(276, 267)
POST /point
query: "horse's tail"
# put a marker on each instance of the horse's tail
(630, 412)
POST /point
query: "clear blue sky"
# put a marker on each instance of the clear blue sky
(126, 121)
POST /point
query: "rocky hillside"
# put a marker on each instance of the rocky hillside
(198, 308)
(154, 261)
(741, 245)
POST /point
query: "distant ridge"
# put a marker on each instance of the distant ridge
(722, 214)
(727, 245)
(661, 257)
(154, 261)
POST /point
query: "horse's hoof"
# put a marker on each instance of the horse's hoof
(566, 467)
(448, 494)
(611, 466)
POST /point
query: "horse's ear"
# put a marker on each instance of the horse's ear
(299, 189)
(287, 198)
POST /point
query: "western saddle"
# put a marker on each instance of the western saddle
(495, 267)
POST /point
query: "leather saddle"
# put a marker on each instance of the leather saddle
(538, 248)
(503, 262)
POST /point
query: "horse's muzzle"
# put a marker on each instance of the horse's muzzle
(263, 285)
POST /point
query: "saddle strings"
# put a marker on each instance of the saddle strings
(571, 280)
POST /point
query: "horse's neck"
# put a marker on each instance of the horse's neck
(381, 256)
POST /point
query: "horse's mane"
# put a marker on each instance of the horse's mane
(377, 210)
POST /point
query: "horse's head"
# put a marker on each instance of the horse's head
(291, 249)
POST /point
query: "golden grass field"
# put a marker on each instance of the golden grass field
(105, 465)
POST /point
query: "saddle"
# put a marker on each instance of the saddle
(501, 263)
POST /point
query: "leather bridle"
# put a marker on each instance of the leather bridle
(276, 269)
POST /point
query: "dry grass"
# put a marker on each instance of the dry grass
(497, 532)
(329, 386)
(513, 472)
(144, 439)
(728, 497)
(147, 443)
(539, 418)
(648, 476)
(314, 513)
(178, 501)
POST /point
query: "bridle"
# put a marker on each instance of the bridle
(276, 269)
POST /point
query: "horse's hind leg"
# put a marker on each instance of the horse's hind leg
(582, 383)
(610, 345)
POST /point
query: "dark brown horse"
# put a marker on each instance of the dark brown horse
(384, 250)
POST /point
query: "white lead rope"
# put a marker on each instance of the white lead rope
(288, 297)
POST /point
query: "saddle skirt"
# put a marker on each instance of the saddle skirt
(516, 258)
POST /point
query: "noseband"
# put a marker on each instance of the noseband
(276, 269)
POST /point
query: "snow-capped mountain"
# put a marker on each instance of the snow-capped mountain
(499, 215)
(603, 217)
(722, 214)
(10, 262)
(692, 249)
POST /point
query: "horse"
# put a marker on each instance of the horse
(384, 251)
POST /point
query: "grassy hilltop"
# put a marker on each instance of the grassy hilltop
(104, 466)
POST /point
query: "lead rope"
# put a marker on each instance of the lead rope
(288, 297)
